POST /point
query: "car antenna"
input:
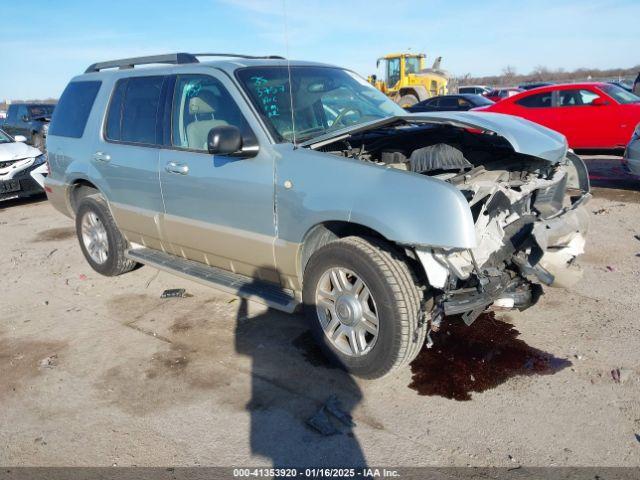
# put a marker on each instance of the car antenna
(286, 48)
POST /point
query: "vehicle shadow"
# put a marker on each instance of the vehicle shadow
(287, 390)
(608, 172)
(20, 202)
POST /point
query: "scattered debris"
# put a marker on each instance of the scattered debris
(637, 437)
(49, 362)
(174, 293)
(602, 210)
(637, 237)
(82, 276)
(153, 277)
(334, 407)
(615, 374)
(46, 302)
(610, 268)
(52, 252)
(40, 441)
(620, 375)
(322, 422)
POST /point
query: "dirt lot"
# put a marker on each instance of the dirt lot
(101, 371)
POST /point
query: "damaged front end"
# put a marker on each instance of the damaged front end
(530, 227)
(525, 192)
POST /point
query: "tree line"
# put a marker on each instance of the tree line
(510, 77)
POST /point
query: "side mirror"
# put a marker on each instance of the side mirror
(20, 138)
(599, 102)
(224, 140)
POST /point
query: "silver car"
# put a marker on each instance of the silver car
(631, 159)
(301, 186)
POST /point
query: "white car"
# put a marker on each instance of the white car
(22, 168)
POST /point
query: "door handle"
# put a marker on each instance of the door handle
(175, 167)
(101, 157)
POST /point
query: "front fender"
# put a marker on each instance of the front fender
(404, 207)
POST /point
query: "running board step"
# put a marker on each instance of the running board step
(245, 287)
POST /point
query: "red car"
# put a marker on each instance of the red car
(591, 115)
(502, 93)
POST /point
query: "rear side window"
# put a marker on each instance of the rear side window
(539, 100)
(576, 98)
(71, 114)
(448, 102)
(133, 111)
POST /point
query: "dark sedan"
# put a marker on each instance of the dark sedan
(448, 103)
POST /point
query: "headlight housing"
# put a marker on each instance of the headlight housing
(40, 159)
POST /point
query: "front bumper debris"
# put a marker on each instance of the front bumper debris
(540, 253)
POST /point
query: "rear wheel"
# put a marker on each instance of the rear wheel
(100, 240)
(364, 306)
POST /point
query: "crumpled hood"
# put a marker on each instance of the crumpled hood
(524, 136)
(17, 151)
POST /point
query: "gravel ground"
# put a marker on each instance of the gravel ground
(102, 371)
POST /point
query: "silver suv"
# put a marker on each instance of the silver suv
(298, 184)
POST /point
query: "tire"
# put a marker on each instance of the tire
(407, 101)
(37, 141)
(114, 262)
(394, 297)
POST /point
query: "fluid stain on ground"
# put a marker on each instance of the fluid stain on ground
(306, 344)
(54, 234)
(477, 358)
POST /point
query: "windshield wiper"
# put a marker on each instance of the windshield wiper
(311, 133)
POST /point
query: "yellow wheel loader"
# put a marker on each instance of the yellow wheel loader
(407, 79)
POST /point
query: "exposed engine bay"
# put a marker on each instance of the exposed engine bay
(528, 224)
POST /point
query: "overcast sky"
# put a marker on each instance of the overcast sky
(44, 45)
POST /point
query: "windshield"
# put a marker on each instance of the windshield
(324, 99)
(619, 94)
(37, 111)
(411, 65)
(4, 138)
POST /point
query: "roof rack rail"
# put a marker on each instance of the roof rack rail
(170, 59)
(239, 55)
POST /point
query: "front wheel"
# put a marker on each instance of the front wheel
(364, 306)
(407, 101)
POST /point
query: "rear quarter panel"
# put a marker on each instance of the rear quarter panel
(70, 158)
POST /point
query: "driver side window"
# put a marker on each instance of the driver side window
(201, 103)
